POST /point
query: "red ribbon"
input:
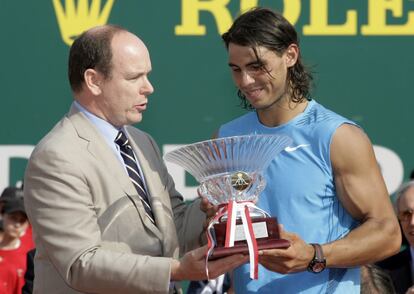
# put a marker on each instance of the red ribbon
(231, 209)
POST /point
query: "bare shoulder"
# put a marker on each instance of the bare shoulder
(351, 145)
(350, 136)
(358, 179)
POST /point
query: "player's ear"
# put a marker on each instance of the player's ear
(291, 55)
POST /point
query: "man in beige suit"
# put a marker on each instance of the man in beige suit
(92, 232)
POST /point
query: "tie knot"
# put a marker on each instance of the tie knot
(121, 139)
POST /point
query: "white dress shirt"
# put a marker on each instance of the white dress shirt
(109, 132)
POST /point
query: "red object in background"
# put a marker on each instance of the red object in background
(13, 265)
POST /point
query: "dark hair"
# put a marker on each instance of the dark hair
(11, 193)
(92, 49)
(375, 280)
(267, 28)
(13, 205)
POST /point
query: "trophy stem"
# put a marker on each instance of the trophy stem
(232, 209)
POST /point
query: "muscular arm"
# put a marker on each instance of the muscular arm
(361, 190)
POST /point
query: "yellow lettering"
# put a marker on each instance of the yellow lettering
(318, 24)
(291, 8)
(377, 19)
(247, 4)
(190, 10)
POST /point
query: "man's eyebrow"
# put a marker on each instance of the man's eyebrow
(137, 73)
(256, 62)
(131, 75)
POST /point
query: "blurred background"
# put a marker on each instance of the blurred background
(361, 54)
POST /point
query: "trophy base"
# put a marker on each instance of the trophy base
(267, 237)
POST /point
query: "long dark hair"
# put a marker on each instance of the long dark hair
(267, 28)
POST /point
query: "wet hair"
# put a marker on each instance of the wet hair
(92, 49)
(267, 28)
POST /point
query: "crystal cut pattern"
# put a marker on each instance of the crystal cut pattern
(213, 162)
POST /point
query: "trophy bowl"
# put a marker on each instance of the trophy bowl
(230, 173)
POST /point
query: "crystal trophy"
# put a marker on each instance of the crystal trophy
(230, 173)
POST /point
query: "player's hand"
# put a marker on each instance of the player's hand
(293, 259)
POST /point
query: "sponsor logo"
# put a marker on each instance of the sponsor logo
(78, 16)
(291, 149)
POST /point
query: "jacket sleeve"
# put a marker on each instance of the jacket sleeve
(60, 207)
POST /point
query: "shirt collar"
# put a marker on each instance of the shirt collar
(107, 130)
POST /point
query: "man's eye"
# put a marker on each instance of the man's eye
(405, 215)
(235, 69)
(256, 67)
(134, 77)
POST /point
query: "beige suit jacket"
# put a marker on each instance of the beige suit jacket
(91, 232)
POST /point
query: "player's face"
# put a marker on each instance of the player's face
(262, 78)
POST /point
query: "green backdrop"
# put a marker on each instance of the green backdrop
(361, 53)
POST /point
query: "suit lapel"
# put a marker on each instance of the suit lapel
(156, 191)
(98, 147)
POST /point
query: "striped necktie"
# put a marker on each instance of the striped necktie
(131, 165)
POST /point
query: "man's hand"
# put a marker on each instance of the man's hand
(209, 209)
(293, 259)
(192, 265)
(410, 290)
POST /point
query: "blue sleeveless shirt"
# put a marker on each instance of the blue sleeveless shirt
(300, 192)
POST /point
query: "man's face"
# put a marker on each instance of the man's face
(263, 81)
(14, 224)
(124, 94)
(405, 214)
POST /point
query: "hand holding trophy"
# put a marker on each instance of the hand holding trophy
(229, 171)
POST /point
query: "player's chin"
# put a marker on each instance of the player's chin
(258, 105)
